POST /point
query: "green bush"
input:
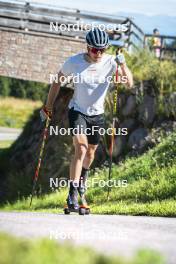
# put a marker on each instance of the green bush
(161, 74)
(23, 89)
(4, 86)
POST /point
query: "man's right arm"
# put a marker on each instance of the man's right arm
(46, 111)
(53, 92)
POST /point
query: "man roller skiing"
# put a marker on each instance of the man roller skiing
(86, 108)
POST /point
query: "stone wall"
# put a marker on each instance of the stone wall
(31, 56)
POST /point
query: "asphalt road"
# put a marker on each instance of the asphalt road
(119, 235)
(7, 133)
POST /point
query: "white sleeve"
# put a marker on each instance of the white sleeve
(67, 67)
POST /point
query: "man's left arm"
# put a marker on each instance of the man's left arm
(125, 72)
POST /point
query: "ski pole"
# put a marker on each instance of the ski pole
(40, 159)
(113, 133)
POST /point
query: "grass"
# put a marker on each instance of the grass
(45, 251)
(53, 203)
(156, 208)
(150, 190)
(5, 144)
(15, 112)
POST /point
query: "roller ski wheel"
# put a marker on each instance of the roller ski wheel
(70, 209)
(66, 210)
(87, 211)
(84, 210)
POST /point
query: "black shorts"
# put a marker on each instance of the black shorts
(84, 125)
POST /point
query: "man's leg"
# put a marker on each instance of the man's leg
(93, 141)
(80, 144)
(89, 157)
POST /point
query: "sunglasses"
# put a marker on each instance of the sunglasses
(95, 51)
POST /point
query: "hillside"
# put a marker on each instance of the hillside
(18, 163)
(151, 186)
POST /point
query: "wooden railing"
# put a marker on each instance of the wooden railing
(33, 17)
(167, 48)
(36, 18)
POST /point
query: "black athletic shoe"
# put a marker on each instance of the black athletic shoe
(82, 181)
(72, 199)
(72, 203)
(82, 186)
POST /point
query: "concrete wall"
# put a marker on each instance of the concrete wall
(31, 56)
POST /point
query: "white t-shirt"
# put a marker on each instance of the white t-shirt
(91, 82)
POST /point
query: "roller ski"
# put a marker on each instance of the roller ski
(72, 205)
(71, 208)
(84, 208)
(72, 200)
